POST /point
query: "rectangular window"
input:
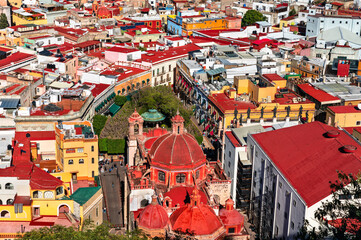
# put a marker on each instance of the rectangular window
(81, 161)
(92, 160)
(294, 203)
(358, 123)
(292, 225)
(278, 206)
(96, 212)
(70, 150)
(80, 150)
(280, 184)
(93, 174)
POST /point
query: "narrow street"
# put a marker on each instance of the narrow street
(112, 183)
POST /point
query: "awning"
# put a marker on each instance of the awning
(113, 109)
(215, 71)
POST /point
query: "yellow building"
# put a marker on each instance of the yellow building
(28, 16)
(77, 150)
(344, 116)
(203, 24)
(259, 99)
(133, 83)
(288, 21)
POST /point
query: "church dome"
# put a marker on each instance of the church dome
(104, 12)
(196, 218)
(177, 149)
(231, 217)
(154, 216)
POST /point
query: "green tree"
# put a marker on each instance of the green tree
(99, 123)
(120, 100)
(251, 17)
(292, 12)
(3, 21)
(89, 232)
(339, 217)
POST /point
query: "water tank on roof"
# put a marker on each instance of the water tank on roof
(359, 106)
(244, 5)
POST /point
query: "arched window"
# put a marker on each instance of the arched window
(92, 148)
(48, 194)
(181, 178)
(70, 161)
(9, 201)
(5, 214)
(37, 194)
(81, 161)
(197, 174)
(161, 176)
(59, 190)
(144, 203)
(9, 186)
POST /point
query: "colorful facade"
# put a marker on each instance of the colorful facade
(168, 169)
(77, 150)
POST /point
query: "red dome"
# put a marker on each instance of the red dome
(198, 219)
(177, 150)
(104, 12)
(231, 216)
(153, 216)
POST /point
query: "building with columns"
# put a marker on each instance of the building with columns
(173, 189)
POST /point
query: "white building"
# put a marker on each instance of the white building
(236, 164)
(317, 23)
(292, 168)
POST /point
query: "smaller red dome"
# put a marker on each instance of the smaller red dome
(154, 216)
(196, 218)
(104, 12)
(230, 216)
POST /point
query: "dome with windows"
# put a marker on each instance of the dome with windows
(177, 149)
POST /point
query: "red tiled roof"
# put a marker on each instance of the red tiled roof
(265, 40)
(16, 58)
(315, 157)
(345, 109)
(9, 89)
(273, 77)
(17, 92)
(180, 195)
(173, 53)
(98, 88)
(317, 94)
(122, 50)
(337, 3)
(224, 103)
(233, 139)
(86, 44)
